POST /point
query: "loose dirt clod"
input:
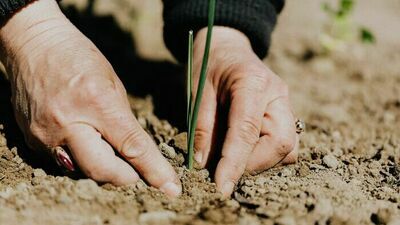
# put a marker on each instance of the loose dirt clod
(167, 151)
(330, 161)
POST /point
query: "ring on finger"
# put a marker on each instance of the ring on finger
(300, 126)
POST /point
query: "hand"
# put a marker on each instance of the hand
(260, 125)
(65, 93)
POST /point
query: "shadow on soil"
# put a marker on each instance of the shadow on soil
(163, 80)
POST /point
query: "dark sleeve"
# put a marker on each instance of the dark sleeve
(255, 18)
(7, 7)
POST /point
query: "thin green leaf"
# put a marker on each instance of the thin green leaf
(189, 85)
(203, 75)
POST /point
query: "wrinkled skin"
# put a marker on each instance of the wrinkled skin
(65, 93)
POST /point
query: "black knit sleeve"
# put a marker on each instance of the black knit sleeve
(7, 7)
(255, 18)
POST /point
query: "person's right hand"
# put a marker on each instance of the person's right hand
(65, 93)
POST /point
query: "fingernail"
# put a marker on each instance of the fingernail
(171, 189)
(227, 188)
(198, 157)
(65, 161)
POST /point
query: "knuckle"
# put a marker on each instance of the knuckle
(134, 145)
(91, 87)
(97, 93)
(257, 82)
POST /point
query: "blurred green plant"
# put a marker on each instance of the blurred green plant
(340, 29)
(193, 110)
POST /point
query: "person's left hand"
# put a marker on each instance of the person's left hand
(260, 126)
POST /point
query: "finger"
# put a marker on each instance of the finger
(244, 124)
(278, 136)
(204, 133)
(133, 143)
(96, 158)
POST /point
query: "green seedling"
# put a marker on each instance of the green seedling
(193, 109)
(340, 29)
(189, 86)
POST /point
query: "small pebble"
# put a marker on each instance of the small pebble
(3, 141)
(39, 173)
(286, 172)
(167, 150)
(36, 181)
(303, 170)
(261, 181)
(330, 161)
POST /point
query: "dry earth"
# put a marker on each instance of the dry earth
(349, 166)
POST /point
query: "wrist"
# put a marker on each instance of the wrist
(228, 47)
(224, 38)
(30, 22)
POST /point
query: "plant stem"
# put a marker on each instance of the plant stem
(203, 75)
(189, 85)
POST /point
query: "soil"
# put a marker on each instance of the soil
(349, 163)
